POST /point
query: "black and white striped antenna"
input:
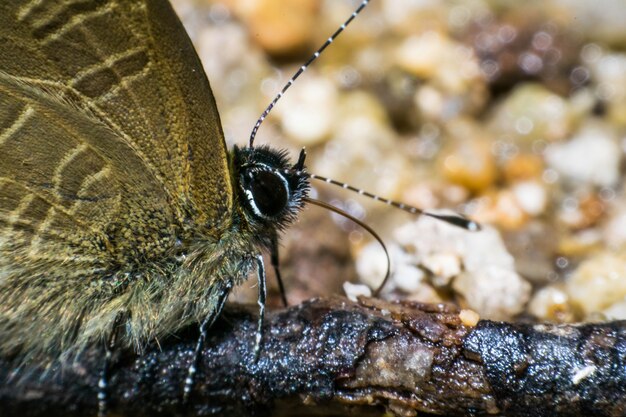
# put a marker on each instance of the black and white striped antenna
(299, 170)
(303, 68)
(456, 220)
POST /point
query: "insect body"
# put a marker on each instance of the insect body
(118, 197)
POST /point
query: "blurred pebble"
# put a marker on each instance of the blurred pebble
(371, 264)
(240, 68)
(531, 196)
(424, 294)
(480, 290)
(468, 317)
(580, 243)
(501, 208)
(431, 103)
(307, 113)
(454, 84)
(443, 266)
(551, 303)
(533, 248)
(609, 73)
(523, 167)
(592, 156)
(432, 55)
(468, 160)
(614, 230)
(405, 276)
(402, 14)
(353, 291)
(616, 311)
(279, 27)
(579, 212)
(422, 55)
(598, 282)
(532, 112)
(604, 23)
(488, 268)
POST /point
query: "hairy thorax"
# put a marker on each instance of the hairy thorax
(149, 300)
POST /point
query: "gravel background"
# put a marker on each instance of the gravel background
(513, 113)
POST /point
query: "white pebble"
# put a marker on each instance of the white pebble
(531, 196)
(353, 291)
(443, 265)
(468, 317)
(489, 282)
(591, 157)
(371, 265)
(548, 301)
(598, 283)
(582, 374)
(407, 277)
(616, 311)
(496, 293)
(615, 230)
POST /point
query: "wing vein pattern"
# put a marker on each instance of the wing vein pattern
(111, 153)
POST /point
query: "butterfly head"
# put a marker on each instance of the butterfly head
(271, 189)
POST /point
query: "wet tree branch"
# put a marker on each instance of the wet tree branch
(332, 356)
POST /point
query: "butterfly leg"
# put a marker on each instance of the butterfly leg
(275, 265)
(204, 327)
(261, 302)
(103, 381)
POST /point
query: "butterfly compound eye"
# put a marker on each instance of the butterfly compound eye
(268, 193)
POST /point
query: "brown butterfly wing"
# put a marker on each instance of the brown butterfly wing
(128, 68)
(110, 143)
(132, 64)
(63, 198)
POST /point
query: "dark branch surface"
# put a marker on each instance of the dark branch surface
(335, 357)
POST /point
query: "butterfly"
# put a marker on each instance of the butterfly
(123, 217)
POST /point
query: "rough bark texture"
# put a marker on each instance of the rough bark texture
(335, 357)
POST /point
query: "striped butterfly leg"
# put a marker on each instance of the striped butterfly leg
(209, 320)
(204, 328)
(260, 270)
(109, 348)
(275, 264)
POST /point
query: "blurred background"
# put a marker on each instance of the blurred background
(512, 113)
